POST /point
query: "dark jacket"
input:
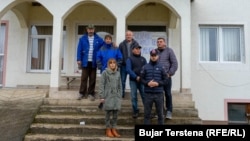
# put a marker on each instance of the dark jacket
(134, 65)
(124, 50)
(153, 71)
(83, 49)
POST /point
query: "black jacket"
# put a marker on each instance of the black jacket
(153, 71)
(124, 50)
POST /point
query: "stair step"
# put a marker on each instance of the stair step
(59, 119)
(125, 103)
(66, 137)
(93, 110)
(99, 119)
(77, 129)
(74, 93)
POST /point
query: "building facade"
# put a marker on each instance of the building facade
(38, 41)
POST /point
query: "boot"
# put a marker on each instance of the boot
(109, 133)
(114, 131)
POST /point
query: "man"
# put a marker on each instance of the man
(168, 59)
(133, 65)
(87, 49)
(153, 76)
(126, 50)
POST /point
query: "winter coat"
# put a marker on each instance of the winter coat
(83, 49)
(124, 50)
(110, 89)
(153, 71)
(133, 66)
(106, 52)
(168, 59)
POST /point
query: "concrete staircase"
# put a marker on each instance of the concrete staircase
(59, 119)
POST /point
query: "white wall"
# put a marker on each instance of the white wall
(213, 83)
(17, 57)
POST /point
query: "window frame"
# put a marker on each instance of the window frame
(48, 50)
(220, 51)
(237, 113)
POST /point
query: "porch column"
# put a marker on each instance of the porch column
(185, 63)
(56, 55)
(120, 29)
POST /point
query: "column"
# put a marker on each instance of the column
(56, 55)
(120, 29)
(185, 63)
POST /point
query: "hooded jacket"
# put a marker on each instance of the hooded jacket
(110, 89)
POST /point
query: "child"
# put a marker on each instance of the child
(110, 93)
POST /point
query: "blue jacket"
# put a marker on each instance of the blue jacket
(153, 71)
(83, 49)
(106, 52)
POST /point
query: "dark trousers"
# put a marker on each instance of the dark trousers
(111, 122)
(124, 78)
(88, 78)
(168, 95)
(149, 99)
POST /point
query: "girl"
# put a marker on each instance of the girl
(110, 92)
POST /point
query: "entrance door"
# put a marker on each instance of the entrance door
(2, 45)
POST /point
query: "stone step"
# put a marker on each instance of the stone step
(67, 137)
(78, 130)
(125, 103)
(73, 94)
(59, 119)
(94, 130)
(99, 119)
(93, 110)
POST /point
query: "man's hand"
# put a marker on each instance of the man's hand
(138, 78)
(152, 84)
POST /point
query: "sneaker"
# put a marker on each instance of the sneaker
(80, 97)
(135, 115)
(169, 115)
(153, 116)
(91, 98)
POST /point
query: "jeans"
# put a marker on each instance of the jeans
(151, 98)
(124, 78)
(168, 95)
(88, 77)
(134, 86)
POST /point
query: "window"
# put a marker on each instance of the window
(222, 43)
(237, 113)
(41, 48)
(3, 27)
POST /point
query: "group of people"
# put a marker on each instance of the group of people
(151, 79)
